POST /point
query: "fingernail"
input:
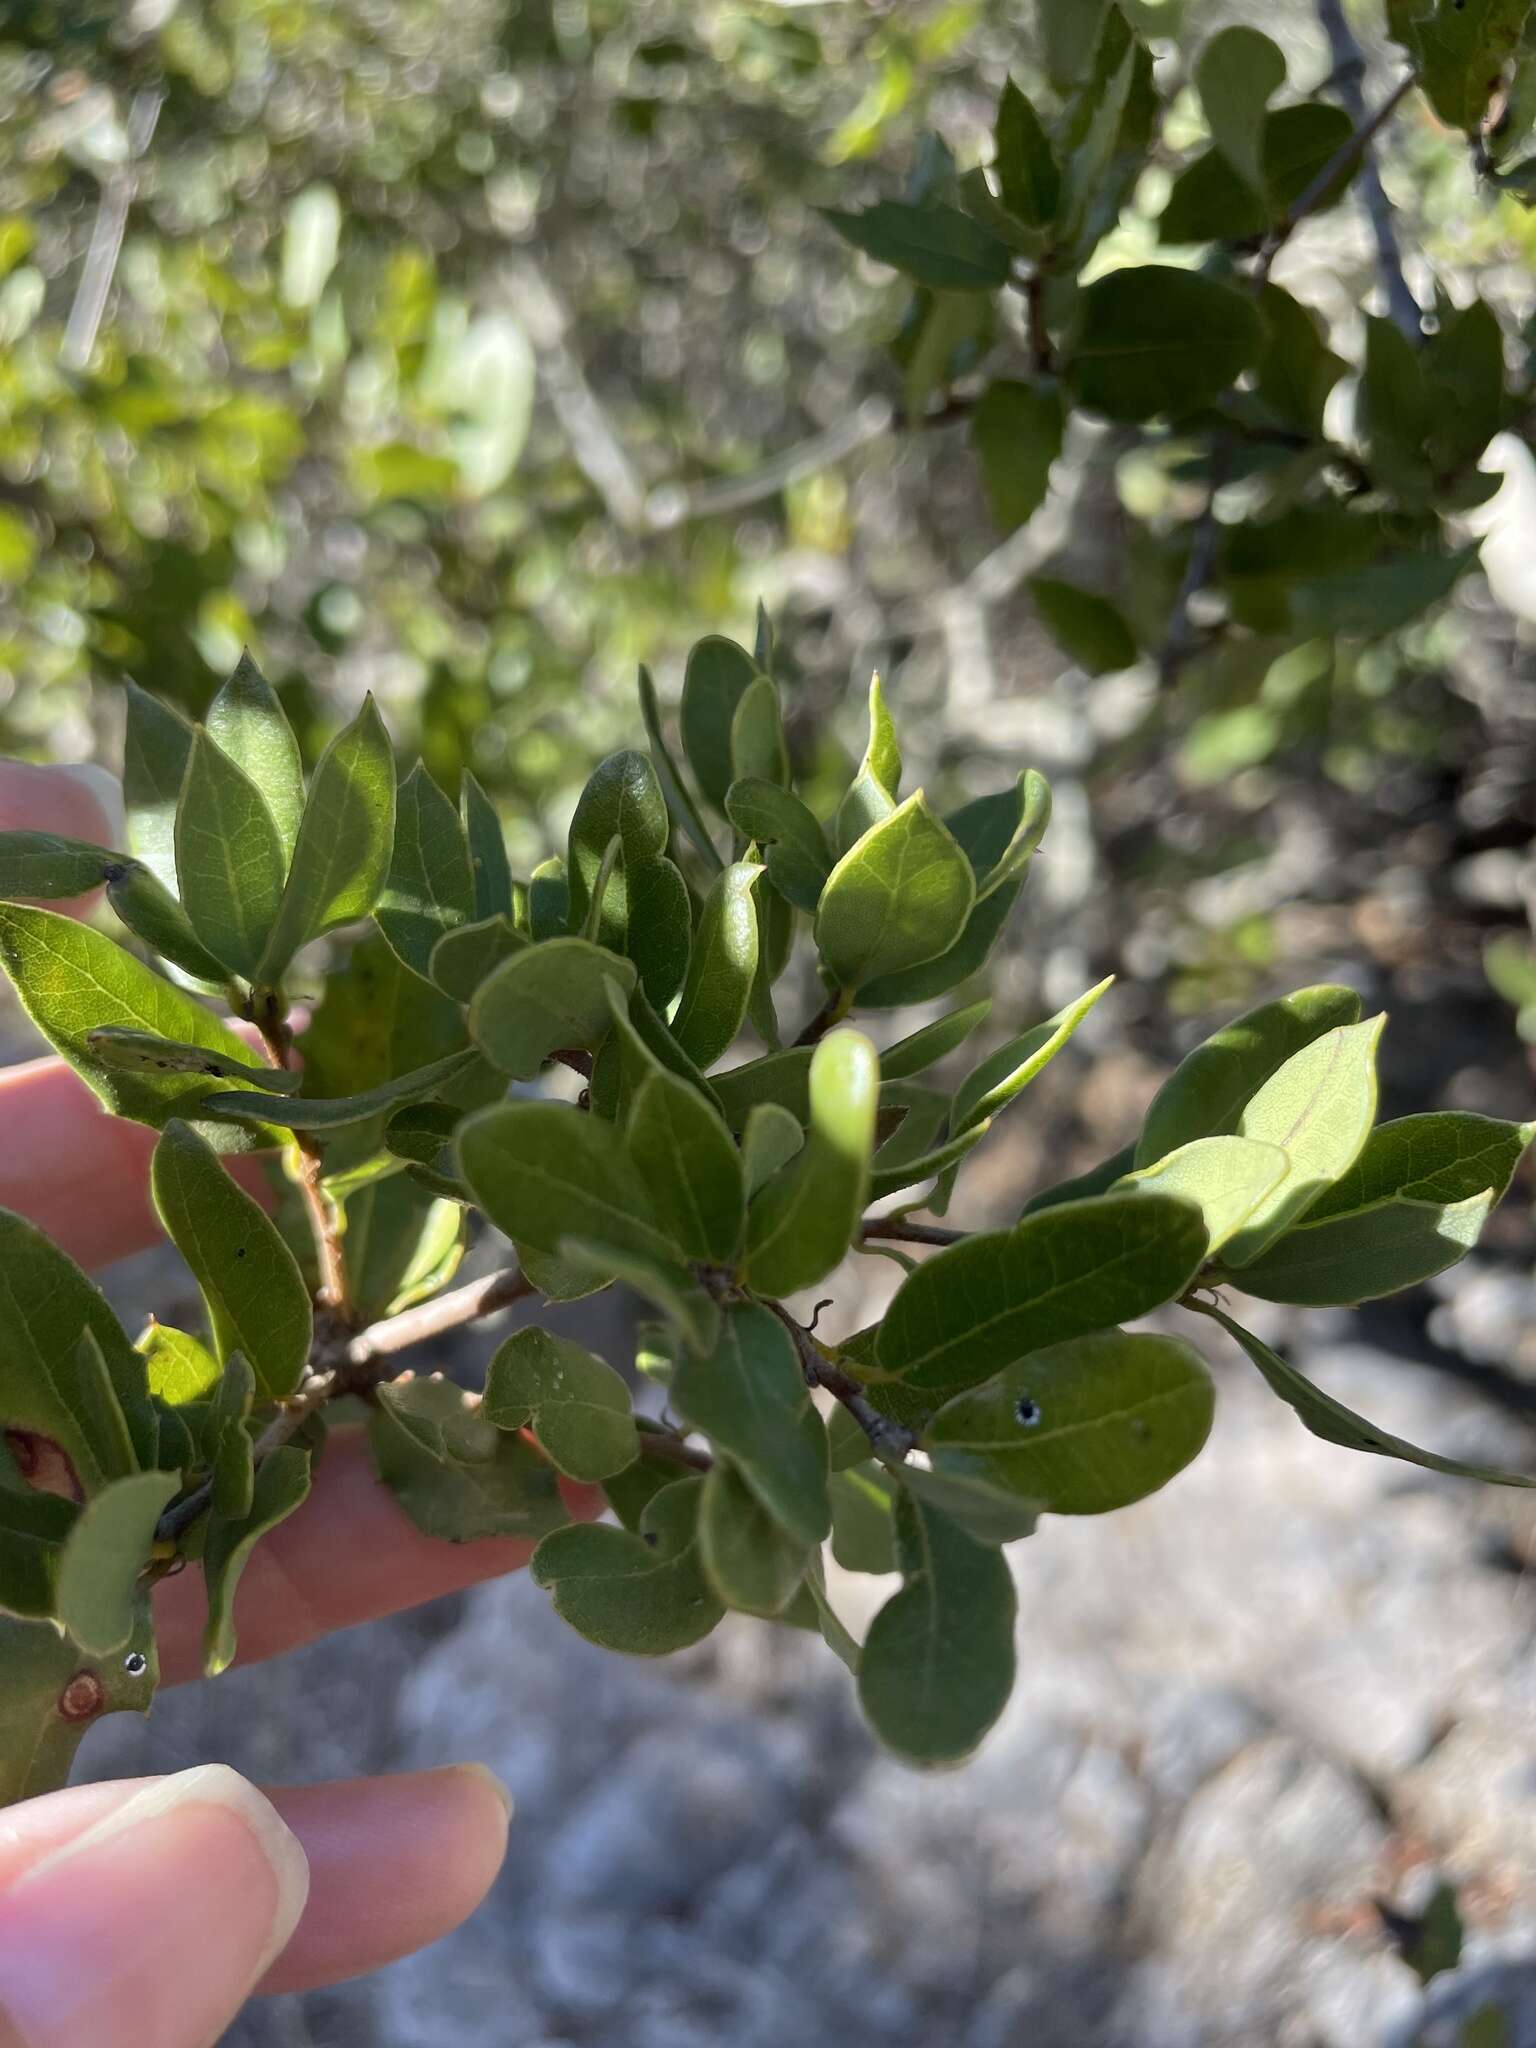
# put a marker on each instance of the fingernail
(489, 1777)
(155, 1923)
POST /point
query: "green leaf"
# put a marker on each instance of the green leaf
(1335, 1424)
(577, 1404)
(1459, 51)
(67, 1372)
(980, 1306)
(549, 899)
(938, 1663)
(1318, 1108)
(780, 1077)
(1238, 74)
(345, 842)
(1153, 340)
(319, 1113)
(622, 800)
(872, 795)
(454, 1472)
(1205, 1095)
(661, 1279)
(227, 1442)
(934, 1042)
(229, 858)
(468, 955)
(155, 750)
(631, 1491)
(939, 246)
(487, 851)
(792, 842)
(750, 1397)
(543, 1172)
(863, 1518)
(966, 957)
(685, 812)
(713, 1004)
(248, 725)
(256, 1298)
(551, 997)
(1414, 1202)
(981, 1505)
(1297, 371)
(1088, 629)
(771, 1138)
(754, 1565)
(900, 896)
(998, 834)
(718, 676)
(1070, 32)
(996, 1082)
(1226, 1178)
(103, 1557)
(802, 1222)
(282, 1486)
(1028, 176)
(645, 1594)
(657, 932)
(1017, 432)
(141, 1052)
(1098, 1180)
(33, 1530)
(1084, 1427)
(403, 1244)
(152, 914)
(53, 1694)
(180, 1369)
(430, 889)
(759, 751)
(44, 865)
(684, 1155)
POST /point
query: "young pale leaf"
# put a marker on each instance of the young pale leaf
(643, 1593)
(792, 842)
(543, 1172)
(345, 841)
(1226, 1179)
(1028, 176)
(934, 1042)
(1088, 628)
(430, 889)
(1153, 340)
(156, 745)
(230, 860)
(470, 954)
(938, 1663)
(43, 866)
(487, 851)
(1017, 432)
(801, 1224)
(141, 1052)
(153, 914)
(750, 1398)
(1083, 1427)
(980, 1306)
(282, 1486)
(180, 1370)
(39, 1732)
(1238, 74)
(622, 800)
(754, 1565)
(404, 1243)
(549, 998)
(685, 812)
(874, 791)
(1444, 1156)
(684, 1154)
(769, 1141)
(759, 751)
(900, 896)
(104, 1554)
(1335, 1424)
(1009, 1070)
(255, 1294)
(718, 676)
(576, 1402)
(937, 245)
(1318, 1108)
(317, 1113)
(1205, 1095)
(67, 1372)
(713, 1004)
(453, 1471)
(248, 724)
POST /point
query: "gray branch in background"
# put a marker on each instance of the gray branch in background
(107, 236)
(1349, 83)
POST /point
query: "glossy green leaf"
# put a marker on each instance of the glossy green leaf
(660, 1279)
(318, 1113)
(156, 745)
(430, 888)
(1017, 431)
(754, 1565)
(1318, 1108)
(1226, 1178)
(938, 1663)
(282, 1487)
(456, 1474)
(750, 1397)
(1297, 371)
(658, 926)
(1205, 1095)
(53, 1693)
(248, 724)
(978, 1307)
(153, 914)
(104, 1554)
(468, 955)
(685, 812)
(179, 1369)
(937, 245)
(1459, 50)
(718, 676)
(487, 851)
(622, 800)
(998, 834)
(1089, 629)
(1153, 340)
(684, 1155)
(780, 1077)
(1070, 31)
(1008, 1071)
(1098, 1180)
(228, 1445)
(1238, 74)
(863, 1519)
(924, 1048)
(403, 1242)
(543, 1172)
(792, 842)
(255, 1294)
(645, 1594)
(1084, 1427)
(801, 1224)
(900, 896)
(771, 1138)
(759, 751)
(713, 1004)
(141, 1052)
(345, 842)
(873, 793)
(549, 998)
(1028, 176)
(982, 1505)
(44, 866)
(549, 898)
(1335, 1424)
(577, 1404)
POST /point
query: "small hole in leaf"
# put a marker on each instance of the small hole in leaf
(1027, 1412)
(240, 1251)
(648, 1536)
(135, 1664)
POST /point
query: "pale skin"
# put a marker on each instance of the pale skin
(153, 1933)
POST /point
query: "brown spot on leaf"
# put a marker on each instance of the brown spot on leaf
(83, 1698)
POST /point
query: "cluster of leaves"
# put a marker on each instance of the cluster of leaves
(1001, 1383)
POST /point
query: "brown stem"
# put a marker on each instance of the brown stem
(432, 1319)
(889, 1440)
(832, 1011)
(284, 1426)
(671, 1450)
(270, 1016)
(899, 1231)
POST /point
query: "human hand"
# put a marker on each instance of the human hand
(146, 1912)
